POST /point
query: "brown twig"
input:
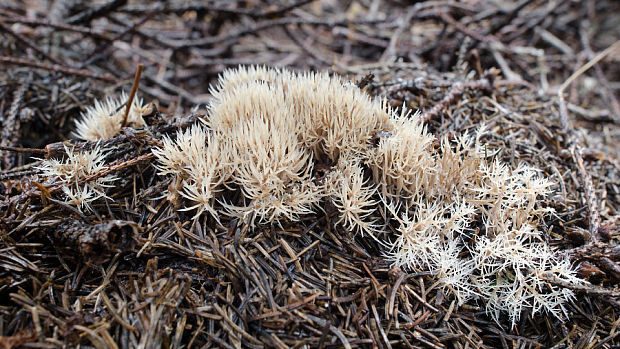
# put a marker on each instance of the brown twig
(605, 91)
(171, 8)
(108, 170)
(455, 92)
(46, 23)
(404, 24)
(562, 103)
(24, 150)
(594, 221)
(97, 10)
(10, 126)
(588, 186)
(56, 68)
(270, 13)
(132, 94)
(463, 29)
(30, 44)
(262, 26)
(99, 52)
(307, 47)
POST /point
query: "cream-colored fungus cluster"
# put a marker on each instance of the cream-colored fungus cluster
(103, 120)
(277, 145)
(70, 174)
(268, 130)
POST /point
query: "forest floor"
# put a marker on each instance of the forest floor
(542, 76)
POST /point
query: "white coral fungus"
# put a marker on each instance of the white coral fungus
(353, 197)
(103, 120)
(72, 170)
(470, 221)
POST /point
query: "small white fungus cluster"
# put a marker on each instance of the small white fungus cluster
(69, 173)
(471, 221)
(265, 131)
(103, 120)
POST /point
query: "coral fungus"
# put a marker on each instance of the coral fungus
(103, 120)
(75, 167)
(469, 220)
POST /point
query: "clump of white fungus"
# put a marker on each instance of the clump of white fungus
(286, 143)
(103, 120)
(71, 174)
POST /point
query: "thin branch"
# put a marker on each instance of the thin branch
(46, 23)
(11, 124)
(262, 26)
(132, 94)
(594, 221)
(57, 68)
(24, 150)
(29, 44)
(455, 92)
(562, 103)
(605, 91)
(171, 8)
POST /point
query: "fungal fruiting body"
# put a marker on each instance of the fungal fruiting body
(103, 120)
(100, 121)
(469, 220)
(72, 172)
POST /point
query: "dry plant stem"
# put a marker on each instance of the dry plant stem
(10, 126)
(203, 7)
(590, 194)
(96, 11)
(132, 94)
(46, 23)
(404, 24)
(460, 27)
(23, 150)
(455, 91)
(333, 329)
(102, 51)
(56, 68)
(281, 11)
(606, 91)
(110, 170)
(563, 109)
(554, 41)
(306, 47)
(133, 27)
(259, 27)
(29, 43)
